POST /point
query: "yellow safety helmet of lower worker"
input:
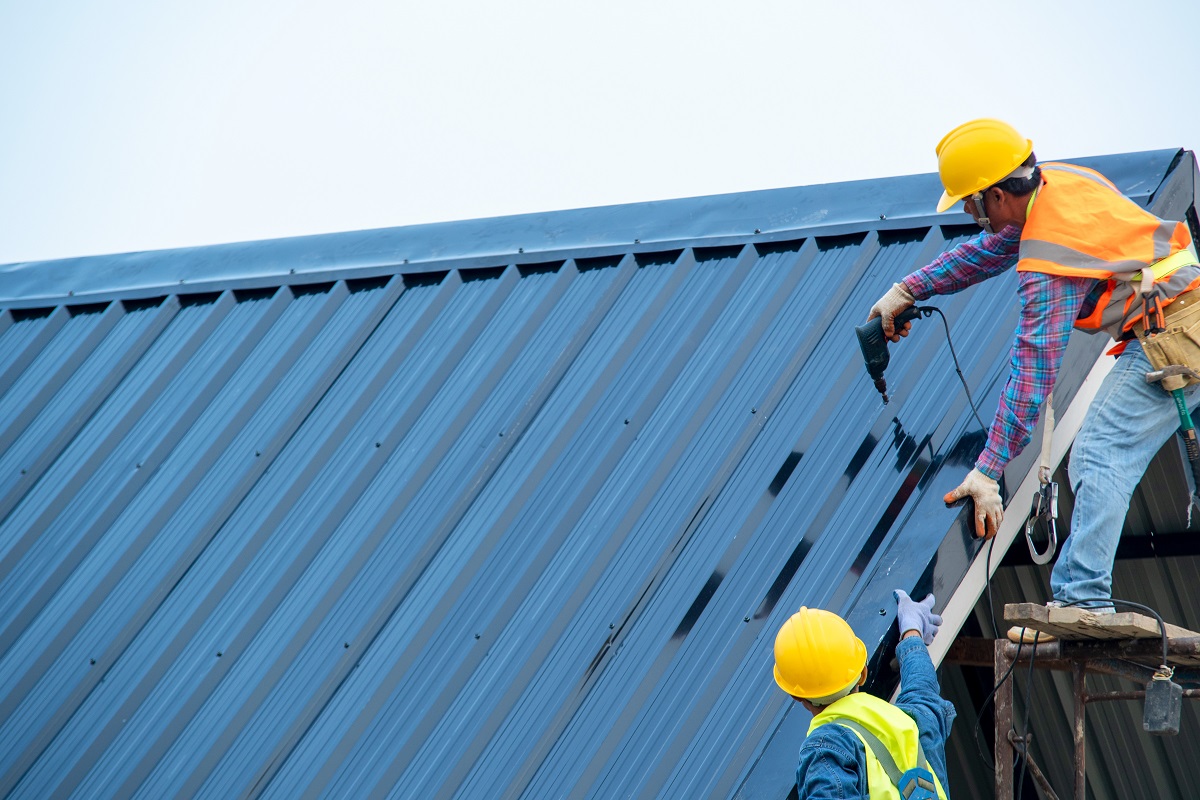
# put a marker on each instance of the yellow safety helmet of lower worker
(817, 655)
(976, 155)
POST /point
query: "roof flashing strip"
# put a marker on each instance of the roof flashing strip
(762, 216)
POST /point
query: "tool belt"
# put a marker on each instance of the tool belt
(1179, 343)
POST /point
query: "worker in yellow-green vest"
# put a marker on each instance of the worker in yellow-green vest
(858, 745)
(1089, 258)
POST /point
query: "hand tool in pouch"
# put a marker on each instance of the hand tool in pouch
(1187, 429)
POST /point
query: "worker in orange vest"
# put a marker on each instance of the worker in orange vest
(860, 746)
(1087, 257)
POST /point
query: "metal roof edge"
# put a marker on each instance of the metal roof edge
(760, 216)
(964, 597)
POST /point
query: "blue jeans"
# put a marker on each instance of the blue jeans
(1128, 421)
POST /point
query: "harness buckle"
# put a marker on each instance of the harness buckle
(1154, 320)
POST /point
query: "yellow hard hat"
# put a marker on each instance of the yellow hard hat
(976, 155)
(817, 655)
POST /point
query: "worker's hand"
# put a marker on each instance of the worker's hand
(989, 509)
(919, 617)
(896, 300)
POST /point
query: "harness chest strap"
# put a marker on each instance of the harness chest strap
(1145, 278)
(1080, 225)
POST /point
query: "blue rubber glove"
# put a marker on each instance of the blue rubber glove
(919, 617)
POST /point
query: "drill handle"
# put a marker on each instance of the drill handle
(913, 312)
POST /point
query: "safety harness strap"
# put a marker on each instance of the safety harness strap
(888, 762)
(1044, 469)
(882, 753)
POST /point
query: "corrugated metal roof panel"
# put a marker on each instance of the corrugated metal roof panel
(518, 525)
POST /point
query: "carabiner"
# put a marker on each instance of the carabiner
(1045, 507)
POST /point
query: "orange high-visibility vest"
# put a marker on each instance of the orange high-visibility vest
(1081, 225)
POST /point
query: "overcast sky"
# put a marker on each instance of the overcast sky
(144, 124)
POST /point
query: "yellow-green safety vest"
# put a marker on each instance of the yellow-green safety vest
(895, 730)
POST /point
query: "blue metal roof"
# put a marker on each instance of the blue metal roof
(296, 518)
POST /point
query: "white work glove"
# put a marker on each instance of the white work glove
(989, 509)
(896, 300)
(914, 616)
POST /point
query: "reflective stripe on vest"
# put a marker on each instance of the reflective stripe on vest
(893, 728)
(1082, 226)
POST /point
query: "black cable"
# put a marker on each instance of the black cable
(1162, 626)
(988, 581)
(995, 635)
(983, 707)
(957, 368)
(927, 310)
(1024, 753)
(987, 565)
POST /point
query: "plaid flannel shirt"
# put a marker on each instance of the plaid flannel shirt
(1050, 305)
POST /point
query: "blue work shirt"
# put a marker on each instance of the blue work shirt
(833, 763)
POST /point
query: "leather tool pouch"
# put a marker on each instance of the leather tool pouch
(1179, 343)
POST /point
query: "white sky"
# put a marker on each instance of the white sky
(143, 124)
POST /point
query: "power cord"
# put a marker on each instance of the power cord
(927, 310)
(1024, 752)
(988, 580)
(957, 368)
(1162, 626)
(987, 760)
(991, 546)
(1028, 713)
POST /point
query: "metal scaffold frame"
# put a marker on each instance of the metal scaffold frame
(1132, 659)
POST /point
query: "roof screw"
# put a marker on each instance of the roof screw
(92, 661)
(611, 626)
(883, 216)
(882, 613)
(626, 422)
(218, 654)
(257, 453)
(520, 249)
(379, 444)
(346, 646)
(71, 293)
(139, 466)
(745, 619)
(477, 636)
(292, 271)
(501, 434)
(22, 472)
(756, 230)
(754, 410)
(406, 261)
(637, 241)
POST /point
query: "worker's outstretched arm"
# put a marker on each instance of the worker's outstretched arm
(975, 260)
(954, 270)
(920, 694)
